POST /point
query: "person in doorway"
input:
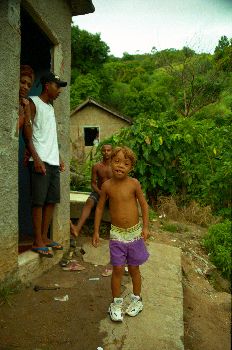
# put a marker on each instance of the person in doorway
(126, 235)
(26, 81)
(27, 78)
(25, 227)
(101, 172)
(45, 179)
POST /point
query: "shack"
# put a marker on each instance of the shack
(92, 122)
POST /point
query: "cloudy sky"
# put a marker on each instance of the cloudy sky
(138, 25)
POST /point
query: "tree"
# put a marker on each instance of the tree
(223, 54)
(88, 51)
(83, 87)
(195, 84)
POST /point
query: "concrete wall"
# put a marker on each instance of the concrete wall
(54, 17)
(92, 116)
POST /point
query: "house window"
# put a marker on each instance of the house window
(91, 135)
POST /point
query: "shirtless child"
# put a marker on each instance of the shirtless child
(126, 236)
(100, 173)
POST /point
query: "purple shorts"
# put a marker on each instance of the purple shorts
(132, 253)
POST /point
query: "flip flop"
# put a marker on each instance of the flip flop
(106, 273)
(74, 267)
(54, 245)
(43, 252)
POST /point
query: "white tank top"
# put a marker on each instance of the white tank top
(44, 135)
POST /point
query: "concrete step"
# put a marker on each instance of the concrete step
(160, 325)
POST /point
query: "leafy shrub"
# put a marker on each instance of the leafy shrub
(218, 242)
(80, 176)
(186, 157)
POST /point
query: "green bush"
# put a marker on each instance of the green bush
(218, 242)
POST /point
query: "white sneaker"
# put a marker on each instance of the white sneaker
(135, 306)
(115, 310)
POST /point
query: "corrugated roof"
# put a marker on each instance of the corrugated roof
(81, 7)
(90, 101)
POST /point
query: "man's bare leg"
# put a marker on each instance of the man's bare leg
(89, 204)
(48, 210)
(37, 213)
(37, 216)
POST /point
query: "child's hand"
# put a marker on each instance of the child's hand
(145, 234)
(95, 240)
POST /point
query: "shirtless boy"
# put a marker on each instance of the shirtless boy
(100, 173)
(126, 235)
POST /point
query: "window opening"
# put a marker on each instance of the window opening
(91, 135)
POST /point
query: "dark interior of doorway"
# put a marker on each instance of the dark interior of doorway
(36, 52)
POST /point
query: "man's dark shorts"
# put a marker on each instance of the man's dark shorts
(45, 189)
(95, 197)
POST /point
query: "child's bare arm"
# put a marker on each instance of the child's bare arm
(144, 208)
(98, 215)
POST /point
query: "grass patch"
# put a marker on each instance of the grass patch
(192, 213)
(172, 227)
(6, 293)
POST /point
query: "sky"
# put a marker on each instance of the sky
(136, 26)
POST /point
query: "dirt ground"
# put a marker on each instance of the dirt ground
(35, 321)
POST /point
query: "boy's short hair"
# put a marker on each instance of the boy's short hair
(128, 153)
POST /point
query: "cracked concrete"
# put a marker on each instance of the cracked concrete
(160, 325)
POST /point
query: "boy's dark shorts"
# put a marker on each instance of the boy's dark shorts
(45, 189)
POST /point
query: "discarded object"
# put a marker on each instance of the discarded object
(64, 298)
(162, 216)
(66, 258)
(37, 288)
(106, 273)
(99, 348)
(198, 270)
(82, 251)
(74, 266)
(94, 279)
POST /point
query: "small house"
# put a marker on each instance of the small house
(91, 123)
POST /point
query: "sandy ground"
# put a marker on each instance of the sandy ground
(35, 321)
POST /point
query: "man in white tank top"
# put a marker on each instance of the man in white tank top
(45, 170)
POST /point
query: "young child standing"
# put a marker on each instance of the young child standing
(127, 236)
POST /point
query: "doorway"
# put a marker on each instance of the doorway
(36, 51)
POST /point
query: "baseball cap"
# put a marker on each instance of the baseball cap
(52, 77)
